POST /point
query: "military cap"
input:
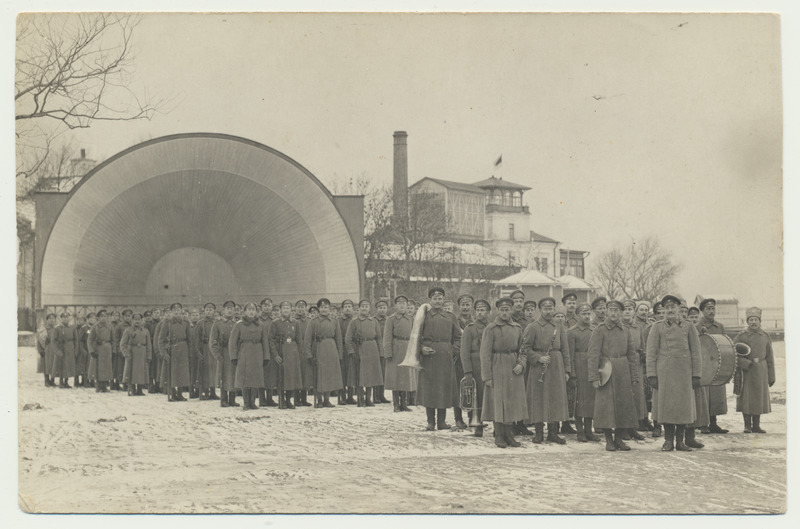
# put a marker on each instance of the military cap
(101, 312)
(682, 302)
(323, 301)
(250, 304)
(381, 302)
(229, 304)
(90, 315)
(147, 313)
(570, 295)
(583, 306)
(345, 302)
(597, 301)
(50, 316)
(517, 292)
(546, 300)
(400, 298)
(657, 305)
(175, 305)
(301, 302)
(312, 308)
(434, 290)
(616, 303)
(693, 310)
(126, 312)
(669, 298)
(287, 303)
(481, 302)
(706, 302)
(64, 314)
(209, 304)
(626, 302)
(752, 312)
(265, 300)
(465, 296)
(137, 315)
(507, 301)
(529, 303)
(365, 300)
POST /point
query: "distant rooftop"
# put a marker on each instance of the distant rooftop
(477, 187)
(528, 278)
(538, 237)
(499, 183)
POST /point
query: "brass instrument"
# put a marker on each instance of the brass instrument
(411, 359)
(743, 350)
(467, 400)
(549, 347)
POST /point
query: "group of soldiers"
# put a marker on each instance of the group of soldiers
(532, 364)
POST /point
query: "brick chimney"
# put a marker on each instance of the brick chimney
(400, 187)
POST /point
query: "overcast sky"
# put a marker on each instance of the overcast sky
(622, 125)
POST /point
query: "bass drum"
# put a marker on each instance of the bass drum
(719, 359)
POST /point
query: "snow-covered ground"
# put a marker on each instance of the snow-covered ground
(109, 453)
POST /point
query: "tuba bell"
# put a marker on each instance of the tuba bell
(411, 359)
(468, 400)
(742, 350)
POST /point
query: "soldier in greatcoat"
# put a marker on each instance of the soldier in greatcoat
(195, 350)
(412, 395)
(286, 348)
(81, 359)
(250, 351)
(546, 346)
(518, 312)
(349, 371)
(614, 407)
(99, 344)
(673, 370)
(158, 356)
(396, 332)
(323, 343)
(523, 314)
(218, 341)
(206, 362)
(91, 362)
(578, 338)
(694, 315)
(117, 360)
(570, 303)
(717, 395)
(307, 371)
(471, 336)
(440, 343)
(47, 350)
(363, 340)
(155, 319)
(598, 310)
(137, 349)
(502, 367)
(643, 324)
(381, 310)
(66, 338)
(529, 310)
(465, 302)
(560, 317)
(269, 313)
(631, 325)
(174, 341)
(757, 371)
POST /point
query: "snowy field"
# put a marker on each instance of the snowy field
(82, 452)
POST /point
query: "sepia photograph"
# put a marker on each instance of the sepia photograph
(399, 263)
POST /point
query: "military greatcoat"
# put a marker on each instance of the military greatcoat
(348, 367)
(207, 368)
(305, 366)
(218, 343)
(323, 342)
(499, 353)
(758, 373)
(578, 338)
(66, 338)
(614, 405)
(82, 359)
(285, 341)
(174, 340)
(638, 387)
(99, 344)
(363, 338)
(436, 386)
(249, 346)
(396, 333)
(547, 400)
(137, 349)
(471, 337)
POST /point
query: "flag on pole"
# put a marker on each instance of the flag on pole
(499, 161)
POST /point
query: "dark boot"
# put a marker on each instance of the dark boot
(635, 435)
(360, 397)
(680, 433)
(619, 441)
(538, 437)
(223, 399)
(367, 401)
(499, 435)
(65, 383)
(431, 413)
(253, 396)
(518, 428)
(404, 401)
(552, 434)
(232, 399)
(748, 423)
(610, 446)
(301, 398)
(96, 386)
(212, 394)
(384, 400)
(270, 401)
(510, 441)
(288, 398)
(46, 381)
(245, 399)
(179, 395)
(691, 441)
(341, 398)
(457, 414)
(622, 434)
(757, 424)
(412, 398)
(643, 426)
(441, 416)
(566, 427)
(478, 431)
(326, 402)
(262, 397)
(656, 429)
(669, 438)
(170, 394)
(350, 399)
(714, 428)
(581, 431)
(395, 401)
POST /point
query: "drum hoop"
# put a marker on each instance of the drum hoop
(719, 356)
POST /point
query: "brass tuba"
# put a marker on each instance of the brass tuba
(743, 350)
(468, 400)
(411, 359)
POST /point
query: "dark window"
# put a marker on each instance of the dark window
(511, 232)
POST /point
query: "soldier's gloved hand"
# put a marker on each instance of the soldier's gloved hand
(469, 378)
(596, 384)
(653, 381)
(427, 351)
(487, 383)
(544, 360)
(695, 382)
(278, 360)
(517, 369)
(234, 361)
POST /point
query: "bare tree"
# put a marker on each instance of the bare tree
(71, 70)
(639, 270)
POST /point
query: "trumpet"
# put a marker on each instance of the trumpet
(467, 400)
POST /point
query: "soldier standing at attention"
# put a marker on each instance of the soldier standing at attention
(194, 354)
(348, 369)
(151, 326)
(643, 324)
(502, 368)
(174, 340)
(518, 312)
(717, 395)
(117, 360)
(570, 302)
(522, 314)
(440, 342)
(363, 339)
(673, 369)
(91, 362)
(137, 349)
(65, 341)
(471, 336)
(218, 342)
(448, 306)
(269, 313)
(99, 344)
(630, 323)
(464, 318)
(529, 310)
(396, 332)
(598, 310)
(578, 338)
(206, 361)
(560, 317)
(249, 349)
(693, 315)
(381, 309)
(412, 395)
(158, 356)
(50, 366)
(546, 346)
(83, 353)
(758, 372)
(323, 343)
(285, 343)
(614, 408)
(301, 315)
